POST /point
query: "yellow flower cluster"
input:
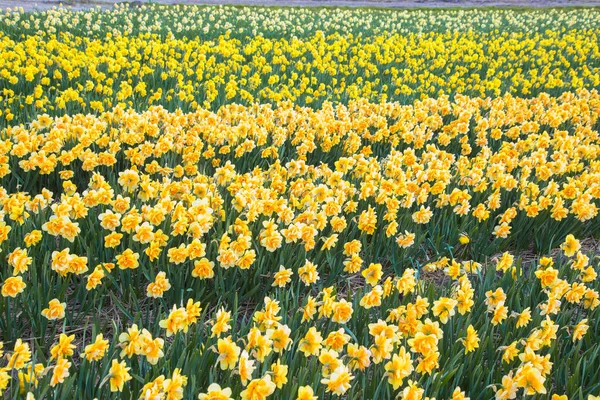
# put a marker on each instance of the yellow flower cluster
(162, 204)
(404, 345)
(433, 161)
(66, 73)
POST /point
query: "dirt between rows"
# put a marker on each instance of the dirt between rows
(32, 5)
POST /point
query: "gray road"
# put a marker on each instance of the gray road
(30, 5)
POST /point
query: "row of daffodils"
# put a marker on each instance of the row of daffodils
(49, 66)
(362, 251)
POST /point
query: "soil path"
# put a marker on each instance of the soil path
(30, 5)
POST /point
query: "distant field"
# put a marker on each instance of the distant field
(29, 5)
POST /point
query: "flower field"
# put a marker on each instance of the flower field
(283, 203)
